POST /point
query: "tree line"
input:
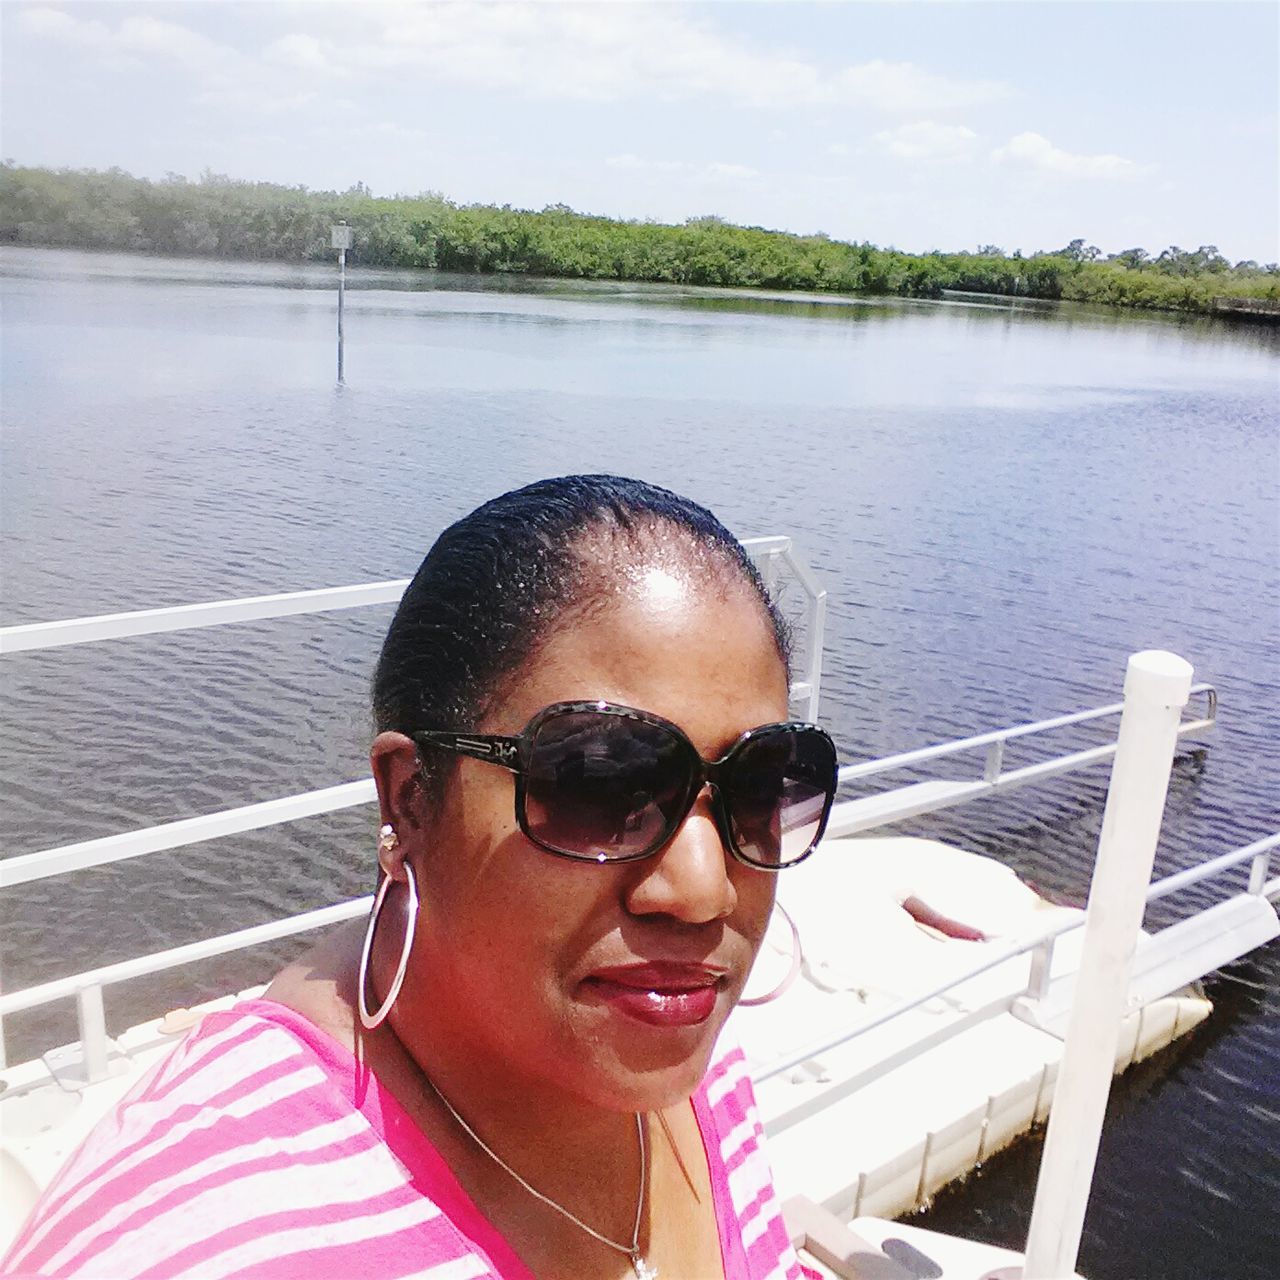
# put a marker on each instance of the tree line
(220, 217)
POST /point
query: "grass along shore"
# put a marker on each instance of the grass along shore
(220, 217)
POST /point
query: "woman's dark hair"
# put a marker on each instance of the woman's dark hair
(498, 582)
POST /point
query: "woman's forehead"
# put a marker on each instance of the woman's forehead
(707, 660)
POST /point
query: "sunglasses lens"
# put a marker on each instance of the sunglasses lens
(604, 786)
(779, 794)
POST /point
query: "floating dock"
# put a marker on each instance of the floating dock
(872, 1107)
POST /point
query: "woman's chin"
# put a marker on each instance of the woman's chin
(649, 1080)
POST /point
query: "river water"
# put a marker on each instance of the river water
(1003, 502)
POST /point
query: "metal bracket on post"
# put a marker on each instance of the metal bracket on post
(1041, 968)
(93, 1032)
(74, 1066)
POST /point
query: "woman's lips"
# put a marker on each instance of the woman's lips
(661, 995)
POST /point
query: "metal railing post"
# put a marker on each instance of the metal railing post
(1258, 870)
(93, 1032)
(768, 567)
(995, 761)
(817, 623)
(1041, 967)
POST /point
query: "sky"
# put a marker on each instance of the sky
(922, 125)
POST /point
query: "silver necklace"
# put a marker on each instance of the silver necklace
(644, 1270)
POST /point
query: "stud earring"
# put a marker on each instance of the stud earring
(387, 838)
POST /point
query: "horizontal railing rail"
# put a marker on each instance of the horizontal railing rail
(997, 737)
(30, 636)
(87, 987)
(848, 818)
(913, 799)
(772, 555)
(878, 810)
(84, 854)
(157, 962)
(189, 617)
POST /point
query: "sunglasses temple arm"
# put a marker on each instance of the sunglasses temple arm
(492, 748)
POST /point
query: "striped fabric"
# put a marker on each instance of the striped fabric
(260, 1148)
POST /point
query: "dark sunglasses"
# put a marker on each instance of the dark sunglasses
(605, 783)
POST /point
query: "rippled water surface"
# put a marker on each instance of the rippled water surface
(1003, 503)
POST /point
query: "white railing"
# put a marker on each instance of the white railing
(847, 818)
(84, 854)
(916, 798)
(774, 556)
(189, 617)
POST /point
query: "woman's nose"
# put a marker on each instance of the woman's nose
(688, 878)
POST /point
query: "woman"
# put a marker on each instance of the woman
(587, 779)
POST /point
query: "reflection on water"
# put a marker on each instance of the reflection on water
(1003, 501)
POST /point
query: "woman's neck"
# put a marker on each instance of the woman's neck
(514, 1113)
(584, 1157)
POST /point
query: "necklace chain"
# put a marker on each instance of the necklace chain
(642, 1268)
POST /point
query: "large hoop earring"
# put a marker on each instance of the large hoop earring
(797, 961)
(371, 1021)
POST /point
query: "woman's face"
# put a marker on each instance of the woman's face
(609, 982)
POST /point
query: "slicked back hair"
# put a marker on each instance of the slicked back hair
(501, 581)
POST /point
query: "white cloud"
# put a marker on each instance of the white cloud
(1034, 151)
(171, 42)
(612, 52)
(927, 140)
(144, 37)
(306, 53)
(732, 172)
(837, 149)
(219, 74)
(595, 52)
(902, 86)
(715, 171)
(57, 25)
(633, 164)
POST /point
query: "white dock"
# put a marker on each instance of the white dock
(878, 1124)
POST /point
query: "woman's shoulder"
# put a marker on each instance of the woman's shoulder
(256, 1147)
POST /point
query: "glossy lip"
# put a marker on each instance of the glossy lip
(660, 993)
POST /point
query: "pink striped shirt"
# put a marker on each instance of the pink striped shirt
(260, 1147)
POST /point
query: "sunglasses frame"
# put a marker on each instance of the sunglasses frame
(513, 752)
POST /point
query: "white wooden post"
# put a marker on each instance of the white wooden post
(1156, 688)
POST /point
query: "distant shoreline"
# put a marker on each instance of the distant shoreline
(219, 218)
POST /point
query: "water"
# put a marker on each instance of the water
(1004, 502)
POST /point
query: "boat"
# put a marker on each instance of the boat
(928, 1013)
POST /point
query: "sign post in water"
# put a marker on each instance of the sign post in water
(340, 238)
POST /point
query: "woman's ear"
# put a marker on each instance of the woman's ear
(394, 759)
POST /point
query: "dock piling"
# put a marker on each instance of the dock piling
(1157, 685)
